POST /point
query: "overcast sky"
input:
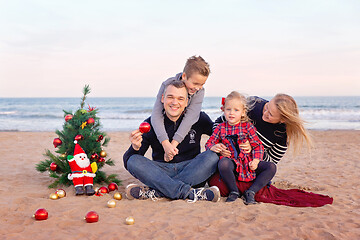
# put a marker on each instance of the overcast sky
(128, 48)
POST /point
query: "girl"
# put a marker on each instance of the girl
(228, 135)
(278, 126)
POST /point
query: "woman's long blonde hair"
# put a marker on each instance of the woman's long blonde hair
(295, 130)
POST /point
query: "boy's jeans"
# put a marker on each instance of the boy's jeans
(173, 180)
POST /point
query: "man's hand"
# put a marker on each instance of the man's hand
(222, 149)
(136, 139)
(254, 164)
(246, 146)
(170, 150)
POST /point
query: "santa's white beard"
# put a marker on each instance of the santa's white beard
(82, 162)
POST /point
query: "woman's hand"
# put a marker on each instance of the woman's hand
(246, 146)
(254, 164)
(136, 139)
(222, 149)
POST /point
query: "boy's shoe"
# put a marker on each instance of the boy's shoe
(135, 191)
(249, 197)
(79, 190)
(89, 190)
(232, 196)
(206, 194)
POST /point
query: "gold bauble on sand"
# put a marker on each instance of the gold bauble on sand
(117, 196)
(53, 196)
(111, 203)
(130, 220)
(61, 193)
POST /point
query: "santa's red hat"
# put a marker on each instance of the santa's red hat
(77, 149)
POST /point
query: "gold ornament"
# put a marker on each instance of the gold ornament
(61, 193)
(130, 220)
(111, 203)
(96, 190)
(103, 153)
(63, 155)
(117, 196)
(53, 196)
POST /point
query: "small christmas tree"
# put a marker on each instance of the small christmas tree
(84, 127)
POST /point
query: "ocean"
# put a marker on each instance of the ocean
(125, 114)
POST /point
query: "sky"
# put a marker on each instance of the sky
(128, 48)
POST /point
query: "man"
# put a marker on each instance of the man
(189, 167)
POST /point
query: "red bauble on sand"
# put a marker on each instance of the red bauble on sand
(57, 142)
(90, 121)
(103, 190)
(144, 127)
(79, 137)
(68, 117)
(91, 217)
(41, 214)
(112, 187)
(53, 166)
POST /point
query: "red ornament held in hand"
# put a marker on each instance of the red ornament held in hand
(144, 127)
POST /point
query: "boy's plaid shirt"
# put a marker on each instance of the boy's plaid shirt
(244, 131)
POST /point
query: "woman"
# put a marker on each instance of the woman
(278, 126)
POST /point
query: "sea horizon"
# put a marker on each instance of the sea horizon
(43, 114)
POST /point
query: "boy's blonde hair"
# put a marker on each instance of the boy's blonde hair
(243, 101)
(196, 65)
(295, 130)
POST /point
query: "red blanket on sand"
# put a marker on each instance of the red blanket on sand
(271, 194)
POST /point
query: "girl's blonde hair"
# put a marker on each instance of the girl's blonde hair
(243, 101)
(295, 130)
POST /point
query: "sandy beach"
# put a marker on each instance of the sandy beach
(332, 168)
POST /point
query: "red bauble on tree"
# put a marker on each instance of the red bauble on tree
(94, 156)
(68, 117)
(91, 121)
(79, 137)
(144, 127)
(57, 142)
(92, 217)
(41, 214)
(112, 187)
(100, 138)
(53, 166)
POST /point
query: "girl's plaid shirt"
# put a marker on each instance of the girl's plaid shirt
(244, 131)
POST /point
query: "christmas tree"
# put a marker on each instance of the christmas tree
(84, 127)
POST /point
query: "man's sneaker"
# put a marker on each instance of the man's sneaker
(133, 191)
(206, 194)
(249, 197)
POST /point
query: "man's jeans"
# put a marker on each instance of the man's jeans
(173, 180)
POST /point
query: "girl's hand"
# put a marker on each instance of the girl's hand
(222, 149)
(136, 139)
(246, 146)
(254, 164)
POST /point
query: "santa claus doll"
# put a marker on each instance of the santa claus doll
(82, 173)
